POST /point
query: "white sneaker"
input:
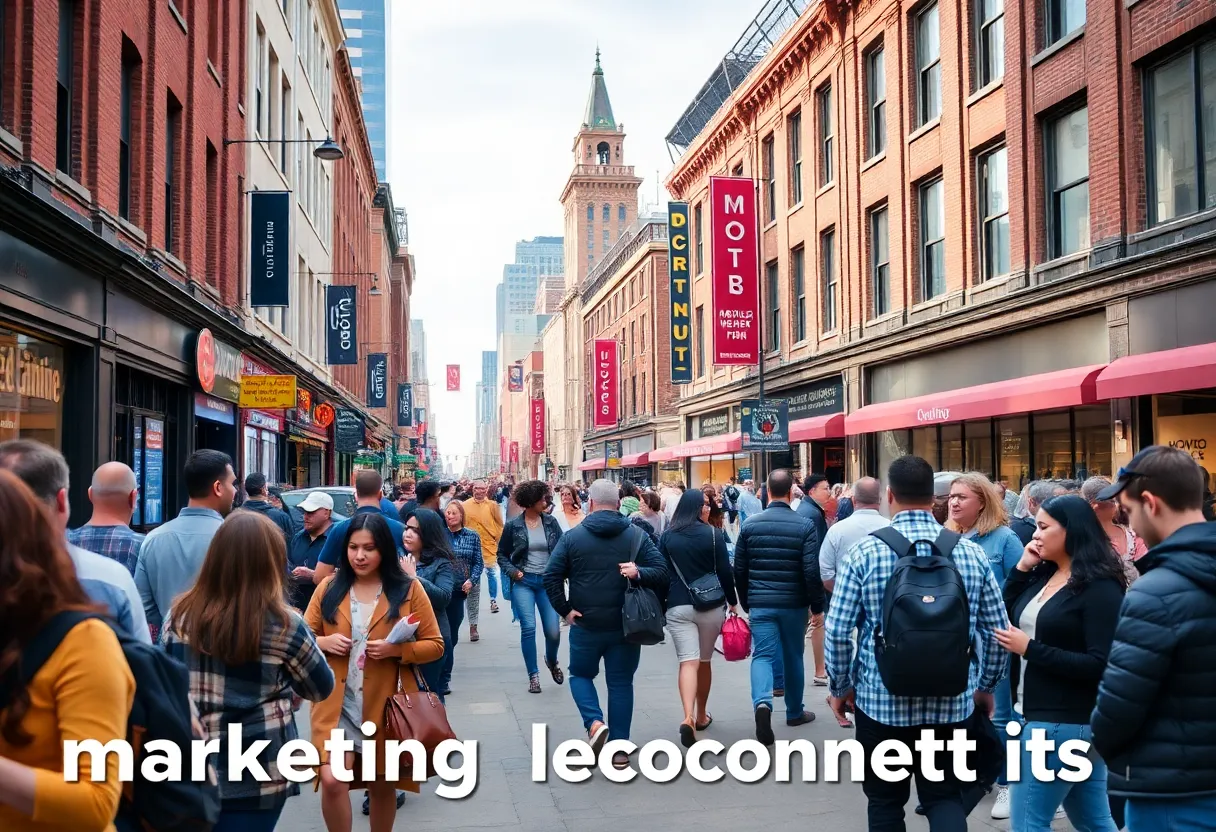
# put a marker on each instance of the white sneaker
(1000, 809)
(1060, 814)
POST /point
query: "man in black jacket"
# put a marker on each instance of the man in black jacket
(255, 487)
(816, 492)
(777, 579)
(599, 557)
(1155, 720)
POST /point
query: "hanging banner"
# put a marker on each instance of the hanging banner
(377, 379)
(453, 378)
(502, 451)
(735, 270)
(269, 248)
(680, 291)
(514, 453)
(348, 431)
(765, 424)
(604, 369)
(515, 378)
(342, 335)
(538, 426)
(405, 405)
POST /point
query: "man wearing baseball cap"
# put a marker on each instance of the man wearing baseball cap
(1155, 719)
(306, 547)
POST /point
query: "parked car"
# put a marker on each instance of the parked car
(344, 502)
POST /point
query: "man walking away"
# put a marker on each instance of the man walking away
(1155, 720)
(730, 502)
(777, 579)
(921, 677)
(749, 503)
(818, 492)
(599, 557)
(867, 496)
(106, 582)
(484, 516)
(368, 485)
(255, 487)
(426, 495)
(306, 546)
(173, 553)
(113, 494)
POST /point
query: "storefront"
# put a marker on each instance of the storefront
(816, 414)
(31, 389)
(308, 443)
(217, 372)
(714, 454)
(264, 437)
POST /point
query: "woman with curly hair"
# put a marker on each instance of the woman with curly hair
(523, 552)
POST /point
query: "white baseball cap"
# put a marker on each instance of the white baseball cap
(316, 500)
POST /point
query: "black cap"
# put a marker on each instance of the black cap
(1126, 475)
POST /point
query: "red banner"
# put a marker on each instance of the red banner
(514, 453)
(515, 378)
(538, 426)
(453, 378)
(734, 235)
(604, 371)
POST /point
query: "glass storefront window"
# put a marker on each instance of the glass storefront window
(1093, 441)
(717, 469)
(978, 437)
(1052, 446)
(924, 445)
(31, 389)
(1013, 438)
(891, 445)
(952, 447)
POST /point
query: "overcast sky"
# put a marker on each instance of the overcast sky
(485, 98)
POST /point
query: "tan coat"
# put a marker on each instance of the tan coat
(379, 675)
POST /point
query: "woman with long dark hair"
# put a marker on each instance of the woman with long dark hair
(351, 613)
(247, 652)
(570, 512)
(1063, 598)
(694, 549)
(430, 559)
(84, 690)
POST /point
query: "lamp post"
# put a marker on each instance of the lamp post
(372, 292)
(327, 149)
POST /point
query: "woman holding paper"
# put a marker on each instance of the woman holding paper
(352, 613)
(429, 558)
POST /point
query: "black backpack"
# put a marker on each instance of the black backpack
(923, 642)
(161, 710)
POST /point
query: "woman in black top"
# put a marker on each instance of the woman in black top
(431, 560)
(1063, 601)
(694, 549)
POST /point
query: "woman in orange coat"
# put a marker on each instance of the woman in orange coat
(352, 613)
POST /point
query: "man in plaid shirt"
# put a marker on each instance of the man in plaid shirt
(113, 493)
(856, 685)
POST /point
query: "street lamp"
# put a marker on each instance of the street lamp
(327, 150)
(372, 292)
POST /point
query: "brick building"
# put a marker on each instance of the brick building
(958, 244)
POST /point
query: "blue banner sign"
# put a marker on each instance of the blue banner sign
(341, 327)
(405, 405)
(377, 379)
(765, 424)
(270, 252)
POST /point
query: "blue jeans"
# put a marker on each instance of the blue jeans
(1003, 696)
(528, 596)
(778, 633)
(455, 614)
(587, 648)
(1032, 803)
(256, 820)
(491, 573)
(1177, 814)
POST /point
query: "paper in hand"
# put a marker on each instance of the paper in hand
(404, 630)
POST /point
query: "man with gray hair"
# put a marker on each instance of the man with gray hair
(1037, 493)
(108, 533)
(107, 582)
(867, 496)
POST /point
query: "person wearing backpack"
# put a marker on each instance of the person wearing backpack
(923, 600)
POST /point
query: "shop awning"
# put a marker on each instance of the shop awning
(1046, 391)
(710, 446)
(817, 427)
(1168, 371)
(597, 464)
(634, 460)
(663, 455)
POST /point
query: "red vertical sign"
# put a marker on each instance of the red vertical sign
(453, 377)
(538, 426)
(734, 234)
(514, 453)
(604, 371)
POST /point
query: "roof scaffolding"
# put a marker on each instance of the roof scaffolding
(774, 18)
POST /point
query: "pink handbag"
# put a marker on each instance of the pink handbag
(736, 638)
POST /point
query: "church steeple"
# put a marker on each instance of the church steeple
(599, 109)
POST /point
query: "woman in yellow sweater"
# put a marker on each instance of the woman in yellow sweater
(84, 691)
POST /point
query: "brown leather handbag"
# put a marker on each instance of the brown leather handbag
(417, 715)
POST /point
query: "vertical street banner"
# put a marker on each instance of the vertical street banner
(269, 248)
(453, 378)
(348, 431)
(515, 378)
(538, 426)
(604, 373)
(377, 379)
(405, 405)
(735, 270)
(502, 453)
(765, 424)
(341, 327)
(680, 292)
(514, 453)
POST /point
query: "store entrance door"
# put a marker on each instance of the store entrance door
(828, 458)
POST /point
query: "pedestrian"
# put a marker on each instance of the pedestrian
(1037, 493)
(863, 518)
(570, 514)
(649, 512)
(1155, 720)
(1128, 545)
(466, 544)
(524, 550)
(83, 690)
(426, 495)
(258, 500)
(630, 498)
(114, 494)
(730, 501)
(483, 515)
(1063, 596)
(430, 559)
(944, 635)
(749, 503)
(367, 501)
(695, 555)
(816, 507)
(352, 613)
(274, 496)
(845, 505)
(247, 653)
(306, 547)
(599, 559)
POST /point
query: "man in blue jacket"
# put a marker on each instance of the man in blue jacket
(368, 486)
(258, 499)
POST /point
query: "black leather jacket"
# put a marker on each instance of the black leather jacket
(513, 544)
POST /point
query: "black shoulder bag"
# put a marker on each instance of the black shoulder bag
(706, 591)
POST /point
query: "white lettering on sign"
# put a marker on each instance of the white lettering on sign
(933, 414)
(268, 248)
(340, 320)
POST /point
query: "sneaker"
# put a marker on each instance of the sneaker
(534, 683)
(556, 672)
(1060, 814)
(473, 636)
(806, 717)
(821, 681)
(1000, 808)
(597, 736)
(764, 726)
(493, 606)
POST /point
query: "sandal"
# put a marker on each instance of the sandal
(534, 683)
(556, 671)
(688, 736)
(709, 720)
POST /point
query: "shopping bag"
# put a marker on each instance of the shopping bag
(736, 638)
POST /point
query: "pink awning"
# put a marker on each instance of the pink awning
(1167, 371)
(710, 446)
(598, 464)
(663, 455)
(1046, 391)
(817, 427)
(634, 460)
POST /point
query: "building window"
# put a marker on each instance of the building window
(798, 267)
(795, 133)
(1063, 18)
(602, 154)
(825, 135)
(126, 98)
(932, 240)
(285, 148)
(590, 213)
(212, 205)
(827, 250)
(259, 83)
(928, 66)
(64, 87)
(700, 345)
(213, 32)
(1181, 133)
(876, 102)
(992, 40)
(607, 213)
(697, 232)
(172, 142)
(620, 217)
(770, 180)
(773, 283)
(994, 213)
(880, 261)
(738, 170)
(1067, 141)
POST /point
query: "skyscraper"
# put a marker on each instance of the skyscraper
(366, 23)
